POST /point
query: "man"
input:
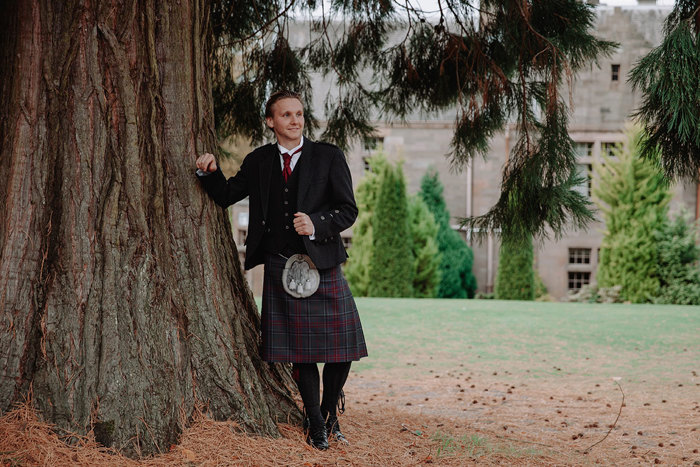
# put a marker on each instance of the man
(301, 198)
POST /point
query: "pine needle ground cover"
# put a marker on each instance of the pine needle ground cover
(466, 382)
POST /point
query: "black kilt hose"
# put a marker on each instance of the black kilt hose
(324, 327)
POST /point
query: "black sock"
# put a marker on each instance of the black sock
(334, 377)
(307, 379)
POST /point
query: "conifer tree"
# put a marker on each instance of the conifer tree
(515, 279)
(391, 263)
(678, 262)
(426, 255)
(457, 280)
(668, 80)
(423, 232)
(633, 196)
(360, 254)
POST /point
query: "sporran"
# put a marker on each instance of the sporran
(300, 278)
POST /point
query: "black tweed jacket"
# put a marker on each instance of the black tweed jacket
(325, 195)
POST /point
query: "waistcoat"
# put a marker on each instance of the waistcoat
(280, 236)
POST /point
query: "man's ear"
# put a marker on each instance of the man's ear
(268, 121)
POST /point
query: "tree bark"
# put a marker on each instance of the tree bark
(122, 297)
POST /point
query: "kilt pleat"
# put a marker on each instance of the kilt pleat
(324, 327)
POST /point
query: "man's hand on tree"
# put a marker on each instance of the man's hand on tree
(206, 163)
(303, 224)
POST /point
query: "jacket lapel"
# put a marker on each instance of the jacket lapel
(265, 173)
(305, 166)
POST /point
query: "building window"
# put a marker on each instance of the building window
(610, 149)
(583, 149)
(243, 219)
(615, 72)
(578, 280)
(371, 145)
(585, 172)
(579, 256)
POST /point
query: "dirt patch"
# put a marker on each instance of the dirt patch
(564, 418)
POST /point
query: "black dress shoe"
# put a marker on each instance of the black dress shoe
(333, 428)
(318, 439)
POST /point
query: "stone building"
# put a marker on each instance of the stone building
(602, 104)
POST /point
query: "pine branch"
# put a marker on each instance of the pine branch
(509, 68)
(670, 109)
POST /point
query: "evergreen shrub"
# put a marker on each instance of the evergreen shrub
(515, 279)
(633, 196)
(678, 255)
(457, 279)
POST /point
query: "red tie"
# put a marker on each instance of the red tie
(287, 169)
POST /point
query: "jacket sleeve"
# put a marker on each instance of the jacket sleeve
(343, 209)
(226, 192)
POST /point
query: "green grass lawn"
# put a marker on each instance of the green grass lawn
(541, 339)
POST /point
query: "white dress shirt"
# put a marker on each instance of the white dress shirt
(295, 157)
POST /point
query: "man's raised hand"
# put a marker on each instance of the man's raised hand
(206, 163)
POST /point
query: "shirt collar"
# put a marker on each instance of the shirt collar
(283, 150)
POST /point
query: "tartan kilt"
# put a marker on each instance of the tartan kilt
(324, 327)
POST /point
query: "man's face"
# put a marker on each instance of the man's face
(287, 120)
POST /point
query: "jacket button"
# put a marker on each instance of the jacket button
(286, 190)
(323, 218)
(286, 227)
(263, 222)
(336, 211)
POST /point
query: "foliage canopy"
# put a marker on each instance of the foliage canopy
(503, 61)
(670, 109)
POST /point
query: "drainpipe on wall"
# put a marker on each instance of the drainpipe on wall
(470, 188)
(489, 264)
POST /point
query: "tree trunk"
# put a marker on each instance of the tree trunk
(122, 297)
